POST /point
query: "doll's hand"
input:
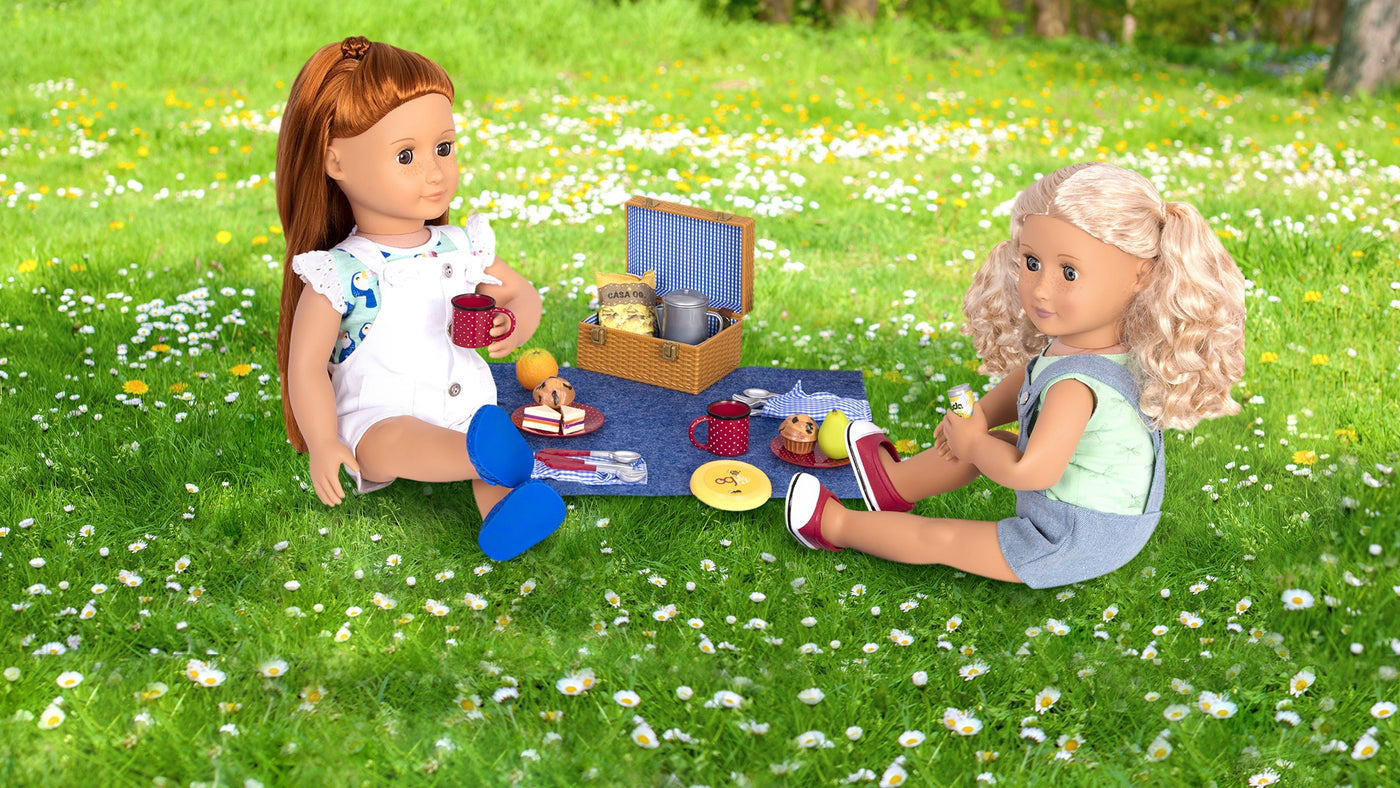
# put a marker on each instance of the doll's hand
(325, 463)
(940, 444)
(958, 433)
(505, 346)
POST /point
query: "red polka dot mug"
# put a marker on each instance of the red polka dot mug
(473, 315)
(726, 428)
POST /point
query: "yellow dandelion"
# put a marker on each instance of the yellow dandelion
(135, 387)
(240, 370)
(1305, 457)
(1320, 359)
(177, 388)
(1312, 295)
(1268, 357)
(906, 447)
(259, 240)
(223, 236)
(115, 225)
(1345, 435)
(160, 348)
(26, 266)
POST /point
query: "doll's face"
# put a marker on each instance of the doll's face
(402, 172)
(1073, 286)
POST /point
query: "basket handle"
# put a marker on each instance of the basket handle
(670, 351)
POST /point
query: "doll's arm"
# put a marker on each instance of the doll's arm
(519, 296)
(1063, 416)
(315, 327)
(999, 405)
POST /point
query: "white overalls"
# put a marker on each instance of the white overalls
(407, 365)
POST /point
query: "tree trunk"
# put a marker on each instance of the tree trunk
(778, 12)
(1367, 55)
(1325, 27)
(864, 10)
(1051, 18)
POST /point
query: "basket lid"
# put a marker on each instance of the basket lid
(692, 249)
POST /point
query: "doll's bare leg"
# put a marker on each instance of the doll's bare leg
(406, 447)
(969, 545)
(487, 495)
(409, 448)
(931, 472)
(514, 518)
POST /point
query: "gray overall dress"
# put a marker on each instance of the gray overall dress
(1053, 543)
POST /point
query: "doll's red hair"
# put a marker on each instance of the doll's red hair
(342, 91)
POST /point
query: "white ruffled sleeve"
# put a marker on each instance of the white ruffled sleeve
(483, 237)
(318, 270)
(483, 250)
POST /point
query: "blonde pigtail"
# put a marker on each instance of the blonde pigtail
(1187, 326)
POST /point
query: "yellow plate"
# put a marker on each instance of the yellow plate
(731, 485)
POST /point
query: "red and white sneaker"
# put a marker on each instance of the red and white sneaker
(864, 442)
(806, 499)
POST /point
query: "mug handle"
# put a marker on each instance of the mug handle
(705, 446)
(509, 314)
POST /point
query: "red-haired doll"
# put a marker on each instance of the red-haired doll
(366, 171)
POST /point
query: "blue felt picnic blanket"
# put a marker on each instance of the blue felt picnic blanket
(655, 421)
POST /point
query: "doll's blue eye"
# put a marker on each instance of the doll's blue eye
(1070, 274)
(1032, 264)
(405, 157)
(444, 149)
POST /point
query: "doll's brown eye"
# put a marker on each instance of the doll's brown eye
(444, 149)
(405, 157)
(1070, 274)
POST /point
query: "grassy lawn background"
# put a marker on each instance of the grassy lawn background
(140, 253)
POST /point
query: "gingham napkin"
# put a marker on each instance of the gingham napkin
(543, 471)
(815, 405)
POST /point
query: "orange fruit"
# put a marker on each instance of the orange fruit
(533, 366)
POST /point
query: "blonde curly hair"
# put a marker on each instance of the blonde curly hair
(1185, 328)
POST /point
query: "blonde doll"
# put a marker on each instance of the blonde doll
(1110, 315)
(366, 170)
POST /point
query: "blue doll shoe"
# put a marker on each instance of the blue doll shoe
(521, 520)
(496, 448)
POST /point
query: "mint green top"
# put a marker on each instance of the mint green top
(1111, 470)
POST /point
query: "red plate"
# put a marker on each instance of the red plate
(592, 420)
(817, 459)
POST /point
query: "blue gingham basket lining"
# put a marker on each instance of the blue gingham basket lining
(687, 254)
(542, 471)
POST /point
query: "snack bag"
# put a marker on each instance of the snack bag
(627, 302)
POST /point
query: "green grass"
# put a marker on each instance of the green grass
(585, 110)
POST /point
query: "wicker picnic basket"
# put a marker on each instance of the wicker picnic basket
(689, 248)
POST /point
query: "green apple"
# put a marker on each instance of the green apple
(831, 436)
